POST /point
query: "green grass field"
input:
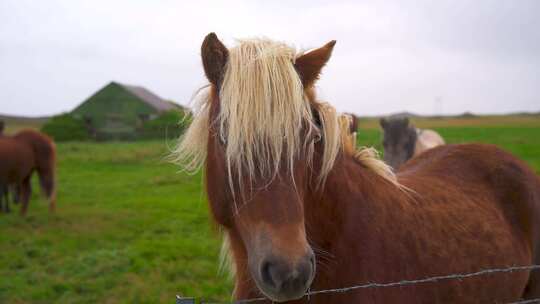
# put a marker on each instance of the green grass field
(131, 229)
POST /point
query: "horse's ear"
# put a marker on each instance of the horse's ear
(214, 58)
(383, 123)
(310, 64)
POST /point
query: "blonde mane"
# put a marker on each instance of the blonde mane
(263, 110)
(366, 156)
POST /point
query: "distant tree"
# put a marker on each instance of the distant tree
(65, 127)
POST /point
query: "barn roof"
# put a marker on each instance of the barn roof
(150, 98)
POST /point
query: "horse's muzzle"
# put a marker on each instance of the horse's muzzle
(282, 281)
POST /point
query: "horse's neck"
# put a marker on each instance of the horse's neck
(356, 204)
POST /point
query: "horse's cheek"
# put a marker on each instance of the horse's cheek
(216, 202)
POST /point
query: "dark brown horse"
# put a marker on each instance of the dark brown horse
(289, 197)
(21, 155)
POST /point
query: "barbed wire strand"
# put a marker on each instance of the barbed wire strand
(458, 276)
(537, 300)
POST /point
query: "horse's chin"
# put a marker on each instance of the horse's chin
(276, 296)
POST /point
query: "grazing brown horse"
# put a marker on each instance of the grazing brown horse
(290, 196)
(4, 188)
(403, 141)
(20, 155)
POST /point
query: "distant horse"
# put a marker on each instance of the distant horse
(290, 197)
(4, 188)
(20, 155)
(403, 141)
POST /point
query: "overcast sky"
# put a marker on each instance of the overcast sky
(420, 56)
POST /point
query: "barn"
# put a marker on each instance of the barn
(119, 110)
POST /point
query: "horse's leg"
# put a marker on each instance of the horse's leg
(46, 180)
(6, 198)
(15, 193)
(1, 199)
(26, 191)
(4, 203)
(52, 203)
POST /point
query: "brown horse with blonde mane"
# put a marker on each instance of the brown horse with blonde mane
(21, 155)
(303, 211)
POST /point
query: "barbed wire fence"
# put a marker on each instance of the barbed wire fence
(433, 279)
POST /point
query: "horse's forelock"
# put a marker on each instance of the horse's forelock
(263, 110)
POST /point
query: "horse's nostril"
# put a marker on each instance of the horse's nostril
(266, 274)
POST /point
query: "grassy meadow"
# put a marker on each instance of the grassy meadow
(131, 229)
(17, 123)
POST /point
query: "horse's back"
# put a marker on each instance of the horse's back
(467, 159)
(491, 192)
(494, 177)
(476, 166)
(42, 143)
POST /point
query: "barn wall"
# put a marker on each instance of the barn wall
(114, 110)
